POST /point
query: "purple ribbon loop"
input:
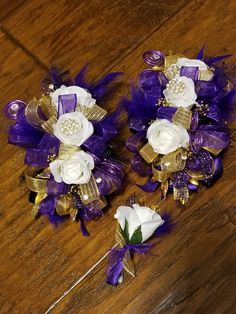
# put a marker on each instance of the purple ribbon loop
(152, 82)
(22, 133)
(13, 107)
(154, 57)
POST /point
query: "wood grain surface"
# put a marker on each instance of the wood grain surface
(192, 270)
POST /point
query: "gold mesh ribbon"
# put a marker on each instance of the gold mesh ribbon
(127, 261)
(183, 117)
(93, 113)
(89, 192)
(148, 153)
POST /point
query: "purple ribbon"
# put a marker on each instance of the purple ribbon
(191, 72)
(38, 157)
(116, 257)
(66, 103)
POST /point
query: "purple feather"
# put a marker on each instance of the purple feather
(200, 53)
(210, 61)
(167, 227)
(101, 87)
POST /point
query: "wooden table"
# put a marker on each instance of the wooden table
(192, 270)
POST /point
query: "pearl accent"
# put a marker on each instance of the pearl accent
(176, 86)
(99, 180)
(70, 127)
(85, 197)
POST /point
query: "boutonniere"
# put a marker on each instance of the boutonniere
(136, 224)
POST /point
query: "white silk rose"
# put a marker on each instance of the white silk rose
(165, 137)
(84, 98)
(74, 170)
(180, 92)
(73, 128)
(138, 216)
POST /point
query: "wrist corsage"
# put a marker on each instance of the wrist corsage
(66, 134)
(178, 116)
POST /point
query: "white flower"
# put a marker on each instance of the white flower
(74, 170)
(180, 92)
(84, 98)
(137, 216)
(73, 128)
(165, 137)
(185, 62)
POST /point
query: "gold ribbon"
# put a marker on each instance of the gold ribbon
(148, 153)
(92, 113)
(172, 59)
(127, 261)
(64, 205)
(174, 161)
(214, 151)
(160, 175)
(183, 117)
(32, 115)
(89, 192)
(204, 75)
(35, 181)
(65, 151)
(47, 107)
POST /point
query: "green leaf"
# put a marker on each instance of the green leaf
(126, 231)
(137, 236)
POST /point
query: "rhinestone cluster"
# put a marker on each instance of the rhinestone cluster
(175, 86)
(70, 127)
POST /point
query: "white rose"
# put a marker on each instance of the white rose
(84, 98)
(185, 62)
(180, 92)
(165, 137)
(74, 170)
(137, 216)
(73, 128)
